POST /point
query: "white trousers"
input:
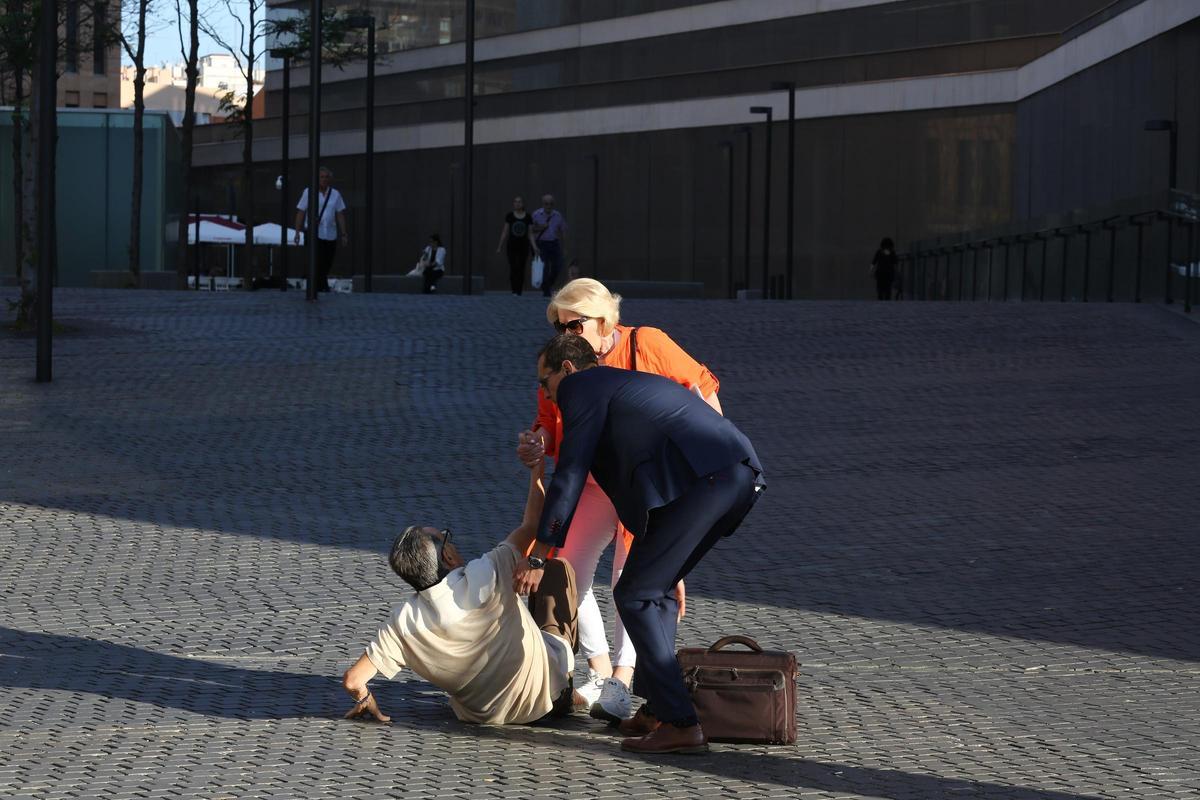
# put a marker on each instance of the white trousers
(593, 528)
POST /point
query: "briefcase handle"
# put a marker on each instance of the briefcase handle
(728, 640)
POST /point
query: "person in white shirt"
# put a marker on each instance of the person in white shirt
(331, 225)
(467, 632)
(433, 262)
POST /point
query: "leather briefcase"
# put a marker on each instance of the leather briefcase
(742, 696)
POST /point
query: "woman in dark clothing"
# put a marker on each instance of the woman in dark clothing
(519, 237)
(883, 267)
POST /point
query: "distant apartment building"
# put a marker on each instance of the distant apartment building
(91, 75)
(166, 88)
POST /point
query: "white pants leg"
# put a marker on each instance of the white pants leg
(625, 654)
(593, 527)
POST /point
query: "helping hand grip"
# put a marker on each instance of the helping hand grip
(728, 640)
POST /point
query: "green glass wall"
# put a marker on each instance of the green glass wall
(95, 179)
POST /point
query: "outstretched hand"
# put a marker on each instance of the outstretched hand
(367, 705)
(526, 580)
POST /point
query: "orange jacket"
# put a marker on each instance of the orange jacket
(656, 353)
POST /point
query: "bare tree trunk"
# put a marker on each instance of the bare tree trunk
(189, 126)
(18, 129)
(250, 270)
(27, 267)
(139, 144)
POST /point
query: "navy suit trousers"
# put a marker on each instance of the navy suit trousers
(677, 536)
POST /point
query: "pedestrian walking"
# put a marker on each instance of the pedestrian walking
(883, 269)
(331, 225)
(550, 231)
(517, 240)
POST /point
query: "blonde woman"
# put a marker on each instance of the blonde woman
(585, 307)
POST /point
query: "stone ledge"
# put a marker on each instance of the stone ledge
(681, 290)
(415, 284)
(121, 279)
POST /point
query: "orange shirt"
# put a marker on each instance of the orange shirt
(656, 353)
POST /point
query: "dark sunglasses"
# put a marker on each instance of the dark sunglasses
(445, 532)
(575, 326)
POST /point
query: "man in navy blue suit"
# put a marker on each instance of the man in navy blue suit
(680, 475)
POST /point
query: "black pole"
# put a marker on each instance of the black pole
(766, 200)
(196, 244)
(991, 261)
(974, 272)
(962, 266)
(1007, 268)
(1167, 298)
(1066, 263)
(596, 215)
(47, 101)
(285, 158)
(1024, 266)
(314, 143)
(790, 88)
(469, 141)
(746, 129)
(1137, 277)
(1087, 262)
(1191, 257)
(1042, 280)
(1112, 261)
(369, 236)
(728, 148)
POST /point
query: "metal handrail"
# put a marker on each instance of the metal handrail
(1180, 208)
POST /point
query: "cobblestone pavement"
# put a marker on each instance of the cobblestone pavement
(980, 537)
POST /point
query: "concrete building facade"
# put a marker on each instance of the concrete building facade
(915, 119)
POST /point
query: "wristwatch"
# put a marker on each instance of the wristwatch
(536, 563)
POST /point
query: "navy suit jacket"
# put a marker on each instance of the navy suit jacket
(645, 438)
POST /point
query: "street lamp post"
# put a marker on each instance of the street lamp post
(47, 101)
(1172, 179)
(727, 146)
(285, 117)
(368, 22)
(790, 88)
(469, 142)
(749, 131)
(314, 143)
(766, 199)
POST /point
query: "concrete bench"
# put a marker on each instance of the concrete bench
(415, 284)
(680, 290)
(122, 279)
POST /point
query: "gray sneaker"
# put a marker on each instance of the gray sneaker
(614, 703)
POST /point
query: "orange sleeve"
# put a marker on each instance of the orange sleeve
(658, 353)
(550, 418)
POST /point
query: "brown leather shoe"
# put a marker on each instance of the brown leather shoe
(639, 724)
(669, 739)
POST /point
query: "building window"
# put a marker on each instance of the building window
(100, 100)
(99, 51)
(72, 99)
(71, 45)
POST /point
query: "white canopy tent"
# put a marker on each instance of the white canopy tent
(268, 234)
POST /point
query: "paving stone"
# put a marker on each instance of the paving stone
(980, 537)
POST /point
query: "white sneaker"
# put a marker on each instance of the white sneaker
(590, 691)
(614, 703)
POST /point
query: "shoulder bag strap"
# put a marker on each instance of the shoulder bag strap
(633, 349)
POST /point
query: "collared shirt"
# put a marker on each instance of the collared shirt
(556, 225)
(328, 209)
(471, 636)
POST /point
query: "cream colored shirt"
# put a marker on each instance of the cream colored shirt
(473, 637)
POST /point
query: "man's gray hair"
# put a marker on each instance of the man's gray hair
(326, 170)
(414, 558)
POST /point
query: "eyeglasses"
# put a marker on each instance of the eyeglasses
(445, 532)
(544, 381)
(575, 326)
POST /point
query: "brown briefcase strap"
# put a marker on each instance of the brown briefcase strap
(728, 640)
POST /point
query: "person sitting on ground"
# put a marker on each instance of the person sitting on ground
(467, 632)
(433, 263)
